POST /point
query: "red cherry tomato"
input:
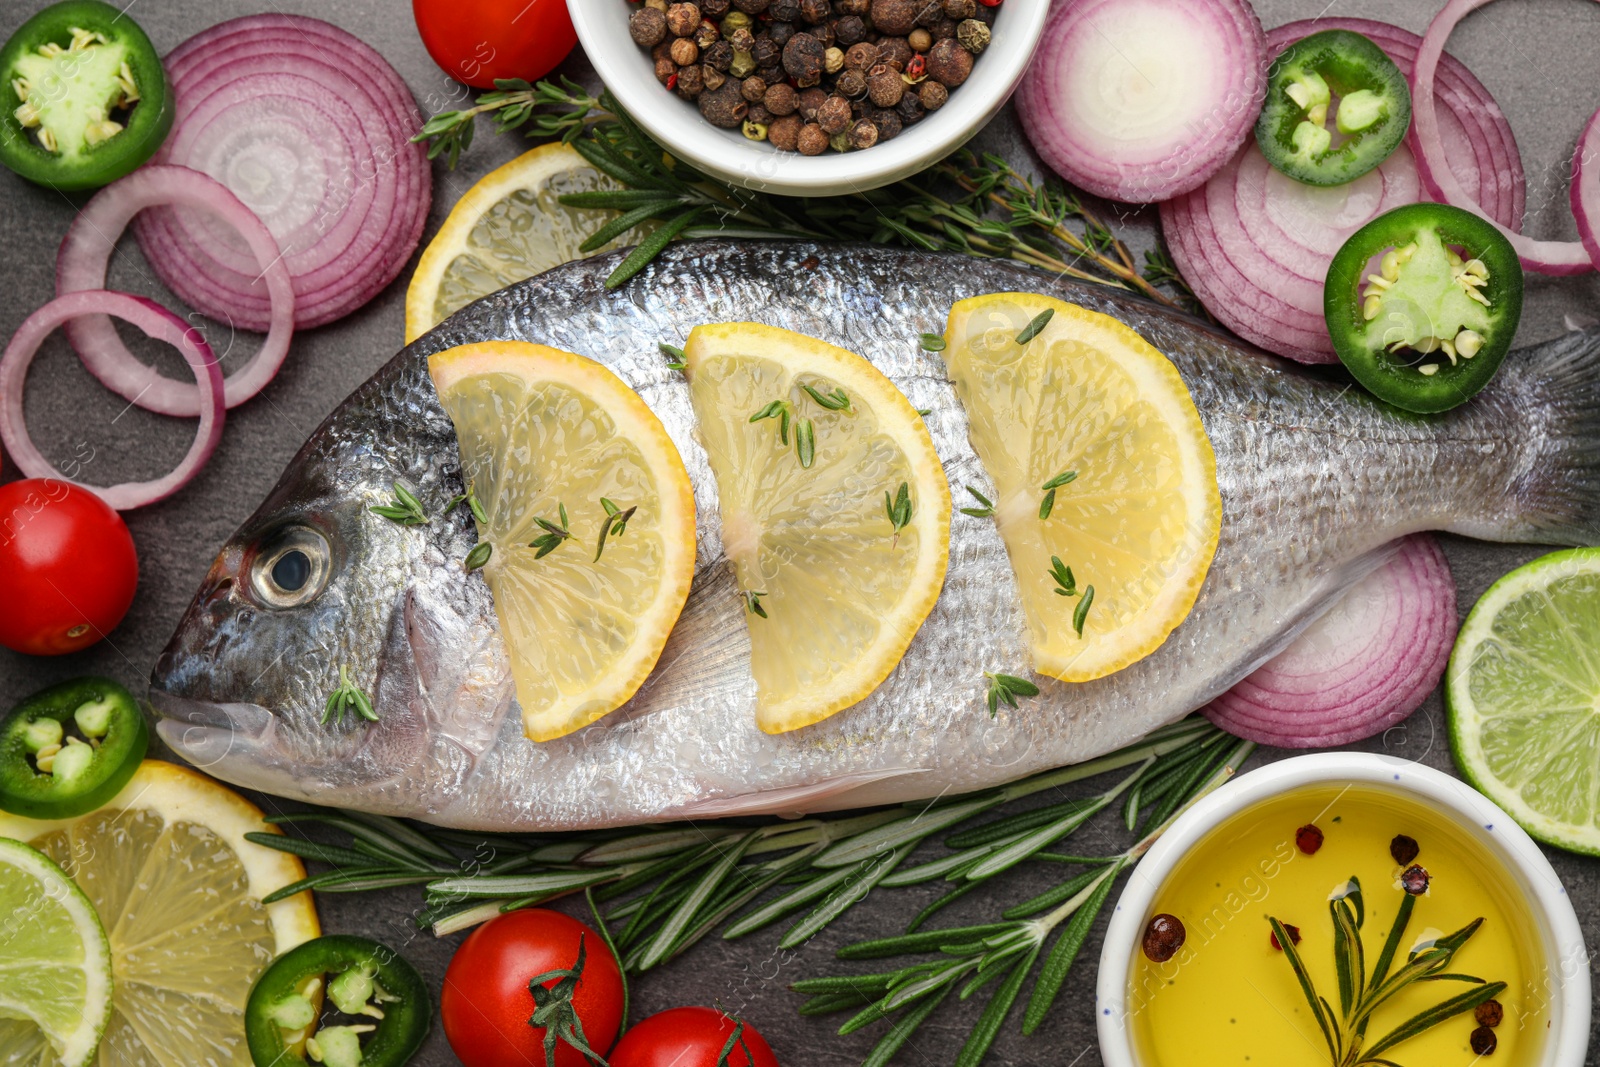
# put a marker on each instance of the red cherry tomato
(67, 567)
(477, 41)
(486, 1004)
(690, 1037)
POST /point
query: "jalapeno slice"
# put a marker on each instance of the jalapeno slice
(1422, 304)
(68, 749)
(287, 1019)
(83, 97)
(1336, 107)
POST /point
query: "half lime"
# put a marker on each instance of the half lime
(1522, 696)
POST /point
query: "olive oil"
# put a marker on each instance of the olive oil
(1229, 997)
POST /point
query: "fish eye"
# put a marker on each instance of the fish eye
(290, 567)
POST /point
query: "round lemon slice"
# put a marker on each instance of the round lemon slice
(835, 512)
(1071, 405)
(509, 226)
(168, 869)
(561, 451)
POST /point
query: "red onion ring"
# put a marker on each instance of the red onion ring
(253, 93)
(1364, 666)
(1546, 257)
(1586, 188)
(86, 253)
(1255, 246)
(157, 322)
(1127, 148)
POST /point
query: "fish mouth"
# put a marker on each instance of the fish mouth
(232, 741)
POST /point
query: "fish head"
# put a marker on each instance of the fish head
(319, 609)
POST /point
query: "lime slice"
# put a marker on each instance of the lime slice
(55, 963)
(1522, 694)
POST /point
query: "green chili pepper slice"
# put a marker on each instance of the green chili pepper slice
(1422, 304)
(68, 749)
(1336, 107)
(386, 1000)
(83, 97)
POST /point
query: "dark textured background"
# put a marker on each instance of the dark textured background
(1538, 57)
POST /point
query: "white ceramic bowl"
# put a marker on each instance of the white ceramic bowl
(1548, 903)
(628, 72)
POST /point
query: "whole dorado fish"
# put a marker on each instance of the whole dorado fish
(1316, 480)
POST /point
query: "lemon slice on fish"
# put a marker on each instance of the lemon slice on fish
(508, 227)
(559, 450)
(1072, 405)
(167, 867)
(835, 512)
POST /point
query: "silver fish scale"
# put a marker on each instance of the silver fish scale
(1316, 481)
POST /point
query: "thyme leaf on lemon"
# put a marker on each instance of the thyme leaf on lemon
(346, 698)
(805, 442)
(1005, 689)
(674, 354)
(1048, 504)
(985, 508)
(1080, 614)
(752, 603)
(615, 524)
(1066, 584)
(555, 533)
(780, 410)
(1036, 326)
(405, 509)
(834, 401)
(1360, 995)
(899, 510)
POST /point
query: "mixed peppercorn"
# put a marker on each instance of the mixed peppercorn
(812, 75)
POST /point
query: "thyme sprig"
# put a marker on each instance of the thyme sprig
(675, 356)
(555, 533)
(1048, 504)
(1035, 326)
(899, 511)
(615, 524)
(977, 205)
(1359, 995)
(752, 603)
(985, 508)
(469, 498)
(346, 698)
(1005, 689)
(405, 509)
(1067, 585)
(667, 887)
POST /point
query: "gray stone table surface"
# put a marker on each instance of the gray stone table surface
(1538, 57)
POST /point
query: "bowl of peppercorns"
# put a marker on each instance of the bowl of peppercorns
(810, 97)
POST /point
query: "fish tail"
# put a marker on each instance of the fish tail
(1549, 397)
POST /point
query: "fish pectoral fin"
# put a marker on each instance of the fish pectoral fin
(795, 800)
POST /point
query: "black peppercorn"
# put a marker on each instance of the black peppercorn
(768, 53)
(803, 57)
(1404, 849)
(781, 99)
(780, 32)
(933, 95)
(784, 10)
(1483, 1041)
(759, 114)
(943, 30)
(742, 39)
(949, 63)
(753, 89)
(834, 115)
(851, 83)
(910, 108)
(665, 69)
(862, 57)
(1163, 937)
(707, 35)
(887, 121)
(784, 132)
(1489, 1013)
(724, 106)
(864, 134)
(1414, 880)
(691, 82)
(683, 19)
(813, 142)
(895, 51)
(647, 27)
(751, 7)
(960, 9)
(815, 11)
(852, 7)
(810, 100)
(849, 30)
(720, 56)
(896, 17)
(714, 9)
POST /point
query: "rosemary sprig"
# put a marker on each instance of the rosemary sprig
(977, 205)
(1066, 584)
(985, 508)
(405, 509)
(1359, 996)
(555, 533)
(1047, 505)
(1035, 326)
(898, 508)
(348, 697)
(614, 525)
(1005, 689)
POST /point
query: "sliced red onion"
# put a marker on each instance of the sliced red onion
(86, 252)
(157, 322)
(1434, 157)
(1359, 669)
(1586, 188)
(1141, 100)
(1255, 245)
(311, 129)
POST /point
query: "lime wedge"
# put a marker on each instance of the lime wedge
(1522, 695)
(55, 963)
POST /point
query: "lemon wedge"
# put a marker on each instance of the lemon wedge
(1087, 413)
(559, 450)
(169, 871)
(508, 227)
(835, 512)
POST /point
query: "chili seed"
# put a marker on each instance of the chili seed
(1163, 937)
